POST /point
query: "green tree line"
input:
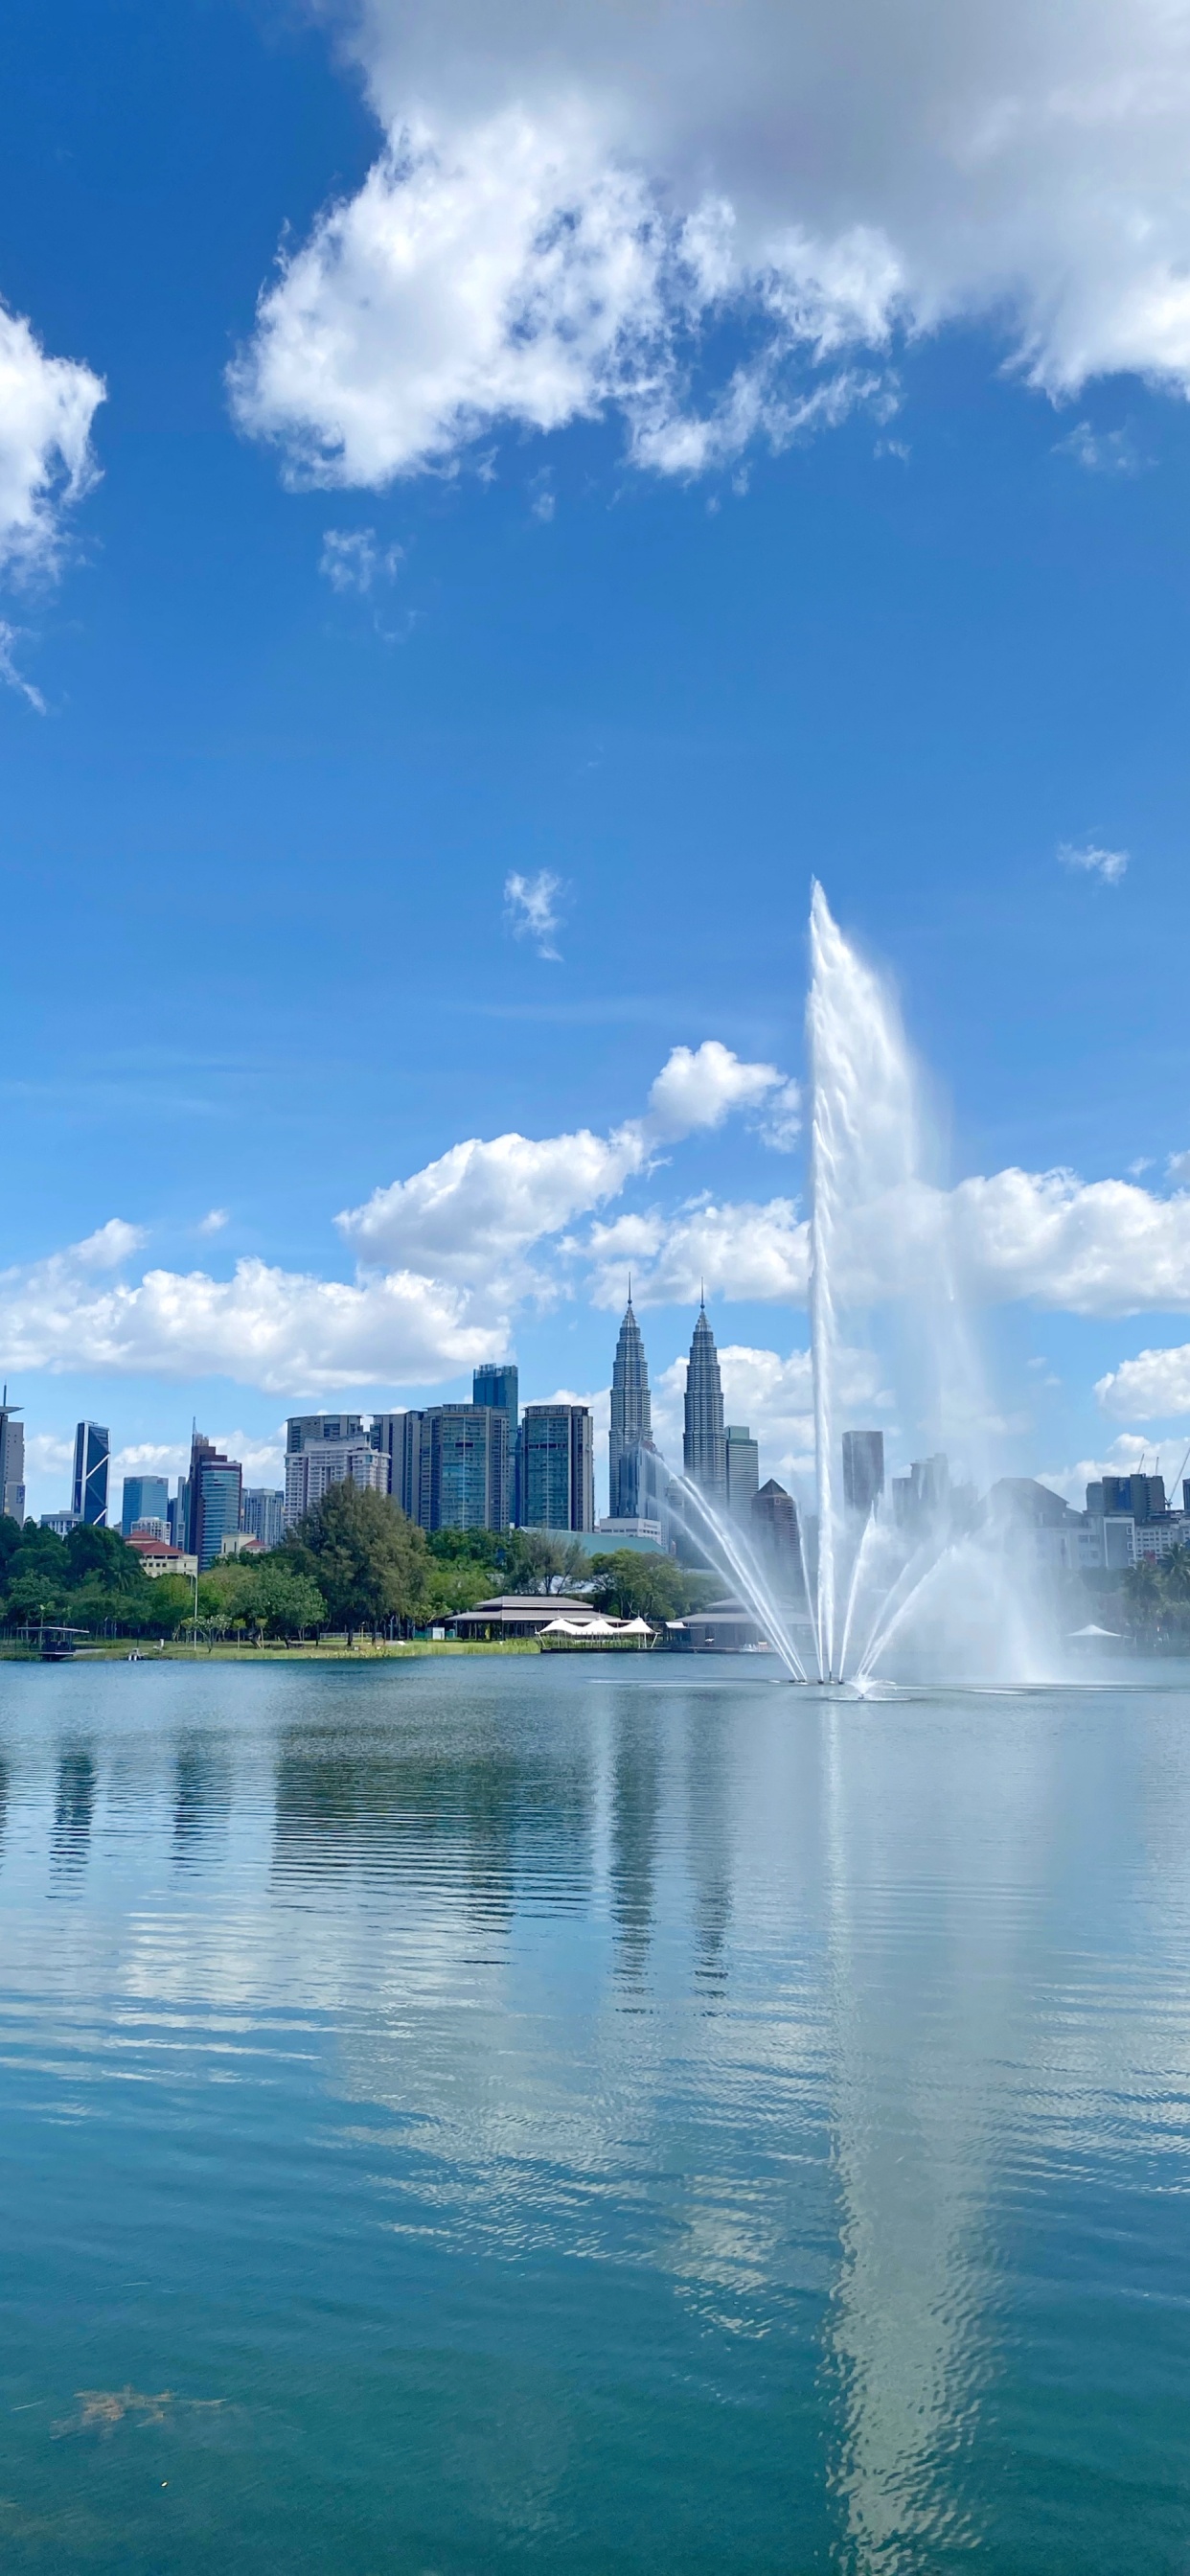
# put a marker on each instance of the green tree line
(355, 1563)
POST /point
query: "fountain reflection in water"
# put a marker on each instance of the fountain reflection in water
(943, 1591)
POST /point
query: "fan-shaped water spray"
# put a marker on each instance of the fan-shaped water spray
(879, 1239)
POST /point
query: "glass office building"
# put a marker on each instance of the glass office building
(144, 1498)
(92, 1448)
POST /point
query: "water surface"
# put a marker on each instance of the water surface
(544, 2115)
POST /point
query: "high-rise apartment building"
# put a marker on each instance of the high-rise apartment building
(397, 1436)
(776, 1535)
(464, 1480)
(449, 1466)
(634, 1469)
(325, 1449)
(499, 1387)
(92, 1448)
(557, 1467)
(743, 1468)
(214, 1487)
(262, 1514)
(144, 1498)
(12, 1460)
(863, 1470)
(704, 1441)
(924, 1494)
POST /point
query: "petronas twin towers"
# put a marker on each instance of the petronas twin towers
(636, 1471)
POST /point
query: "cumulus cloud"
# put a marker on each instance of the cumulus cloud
(1043, 1238)
(570, 200)
(1108, 865)
(700, 1087)
(213, 1222)
(531, 906)
(47, 406)
(475, 1213)
(281, 1330)
(736, 1250)
(1154, 1387)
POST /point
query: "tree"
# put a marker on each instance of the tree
(169, 1603)
(98, 1552)
(644, 1587)
(367, 1561)
(288, 1604)
(543, 1560)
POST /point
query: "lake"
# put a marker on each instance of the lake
(594, 2116)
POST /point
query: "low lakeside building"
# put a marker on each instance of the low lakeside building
(518, 1614)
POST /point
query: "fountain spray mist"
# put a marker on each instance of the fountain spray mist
(940, 1579)
(863, 1158)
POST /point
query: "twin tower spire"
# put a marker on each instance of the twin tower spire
(636, 1471)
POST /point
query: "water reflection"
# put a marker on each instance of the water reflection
(708, 1829)
(918, 1978)
(201, 1801)
(636, 1804)
(489, 1831)
(929, 1933)
(74, 1808)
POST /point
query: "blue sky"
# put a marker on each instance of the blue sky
(555, 520)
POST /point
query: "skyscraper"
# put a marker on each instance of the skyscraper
(12, 1460)
(633, 1480)
(863, 1469)
(743, 1468)
(463, 1481)
(776, 1536)
(214, 1487)
(145, 1498)
(557, 1467)
(499, 1388)
(262, 1514)
(704, 1442)
(324, 1449)
(92, 1447)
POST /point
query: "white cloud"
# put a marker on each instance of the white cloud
(1108, 865)
(1101, 451)
(1127, 1452)
(738, 1251)
(9, 674)
(475, 1213)
(281, 1330)
(571, 198)
(1154, 1387)
(213, 1222)
(47, 406)
(1044, 1238)
(263, 1461)
(351, 559)
(1177, 1168)
(700, 1087)
(531, 904)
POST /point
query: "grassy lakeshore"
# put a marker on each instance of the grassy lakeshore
(331, 1651)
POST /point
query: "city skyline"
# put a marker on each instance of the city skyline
(615, 687)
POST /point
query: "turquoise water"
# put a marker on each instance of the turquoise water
(541, 2115)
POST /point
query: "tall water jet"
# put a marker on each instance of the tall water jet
(863, 1158)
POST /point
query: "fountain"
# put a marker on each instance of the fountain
(879, 1239)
